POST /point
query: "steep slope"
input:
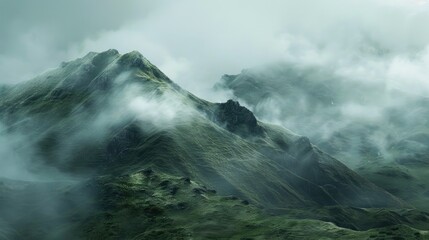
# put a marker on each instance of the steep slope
(348, 118)
(106, 120)
(222, 145)
(379, 131)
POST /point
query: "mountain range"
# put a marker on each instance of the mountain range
(108, 147)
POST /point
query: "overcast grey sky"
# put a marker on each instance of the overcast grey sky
(36, 35)
(195, 42)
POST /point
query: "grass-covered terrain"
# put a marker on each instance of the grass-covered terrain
(151, 205)
(113, 149)
(380, 132)
(407, 182)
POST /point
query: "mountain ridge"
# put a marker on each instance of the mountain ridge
(96, 71)
(111, 116)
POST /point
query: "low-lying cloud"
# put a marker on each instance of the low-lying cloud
(19, 161)
(379, 45)
(196, 42)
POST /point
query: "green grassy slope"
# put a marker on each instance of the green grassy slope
(77, 119)
(210, 143)
(152, 205)
(386, 142)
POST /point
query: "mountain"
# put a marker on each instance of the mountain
(107, 146)
(376, 129)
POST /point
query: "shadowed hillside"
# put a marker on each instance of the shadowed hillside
(378, 130)
(115, 131)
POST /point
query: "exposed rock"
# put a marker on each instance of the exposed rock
(187, 180)
(148, 172)
(238, 119)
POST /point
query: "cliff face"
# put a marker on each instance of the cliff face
(238, 119)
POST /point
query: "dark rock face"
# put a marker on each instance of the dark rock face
(238, 119)
(296, 171)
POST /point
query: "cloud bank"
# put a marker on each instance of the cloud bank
(195, 42)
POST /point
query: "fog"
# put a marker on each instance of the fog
(31, 153)
(372, 48)
(196, 42)
(350, 75)
(19, 159)
(50, 166)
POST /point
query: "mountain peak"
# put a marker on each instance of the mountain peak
(135, 60)
(89, 57)
(195, 147)
(99, 71)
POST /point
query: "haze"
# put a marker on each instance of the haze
(195, 42)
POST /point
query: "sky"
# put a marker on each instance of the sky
(196, 42)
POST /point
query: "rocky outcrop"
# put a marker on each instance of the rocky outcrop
(260, 162)
(237, 119)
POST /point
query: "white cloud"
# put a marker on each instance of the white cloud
(195, 42)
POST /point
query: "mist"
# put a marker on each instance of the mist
(50, 166)
(107, 146)
(195, 43)
(376, 50)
